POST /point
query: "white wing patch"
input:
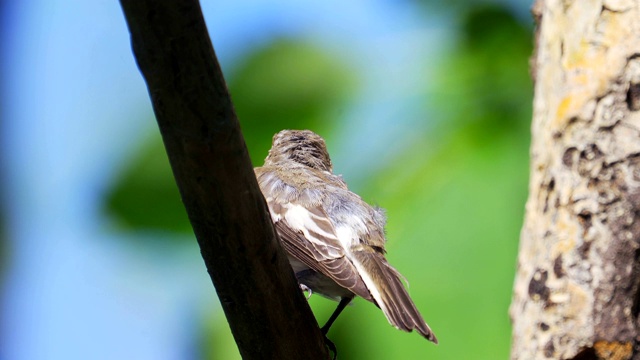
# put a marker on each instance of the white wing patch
(371, 286)
(350, 232)
(301, 219)
(347, 236)
(316, 229)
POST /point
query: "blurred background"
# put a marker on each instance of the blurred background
(425, 106)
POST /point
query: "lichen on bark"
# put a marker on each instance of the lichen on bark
(576, 293)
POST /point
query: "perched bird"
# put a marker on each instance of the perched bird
(334, 240)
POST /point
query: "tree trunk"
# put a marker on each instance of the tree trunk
(576, 293)
(267, 313)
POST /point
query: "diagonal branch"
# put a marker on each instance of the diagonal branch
(267, 313)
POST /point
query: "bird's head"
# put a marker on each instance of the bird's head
(302, 146)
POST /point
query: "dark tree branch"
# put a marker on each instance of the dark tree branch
(268, 314)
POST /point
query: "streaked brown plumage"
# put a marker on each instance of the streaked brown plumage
(334, 239)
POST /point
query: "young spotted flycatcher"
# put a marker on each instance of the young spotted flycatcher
(334, 240)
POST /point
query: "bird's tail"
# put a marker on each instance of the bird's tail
(384, 283)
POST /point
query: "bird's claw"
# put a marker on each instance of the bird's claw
(304, 288)
(332, 347)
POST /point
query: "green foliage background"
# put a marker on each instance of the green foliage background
(454, 197)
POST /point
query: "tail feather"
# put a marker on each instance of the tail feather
(390, 295)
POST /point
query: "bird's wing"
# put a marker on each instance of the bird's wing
(308, 235)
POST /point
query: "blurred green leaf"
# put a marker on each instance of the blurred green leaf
(455, 201)
(286, 84)
(453, 232)
(216, 340)
(485, 84)
(146, 196)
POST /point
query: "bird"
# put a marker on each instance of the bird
(335, 241)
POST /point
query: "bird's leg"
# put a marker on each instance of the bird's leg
(343, 303)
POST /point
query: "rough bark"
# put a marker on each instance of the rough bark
(576, 293)
(267, 313)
